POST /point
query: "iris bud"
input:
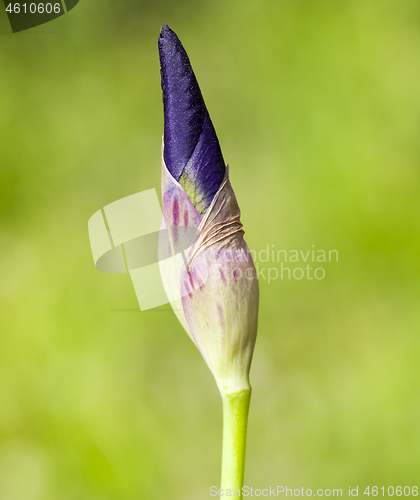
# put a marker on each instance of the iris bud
(214, 289)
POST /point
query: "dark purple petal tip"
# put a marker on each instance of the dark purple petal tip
(191, 148)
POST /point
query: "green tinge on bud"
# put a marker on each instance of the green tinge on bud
(214, 289)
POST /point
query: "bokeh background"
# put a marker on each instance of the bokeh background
(317, 108)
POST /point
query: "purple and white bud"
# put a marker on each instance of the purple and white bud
(213, 288)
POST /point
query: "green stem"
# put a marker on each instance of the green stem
(235, 421)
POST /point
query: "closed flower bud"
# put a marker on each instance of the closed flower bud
(213, 288)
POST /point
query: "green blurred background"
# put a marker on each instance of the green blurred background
(317, 108)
